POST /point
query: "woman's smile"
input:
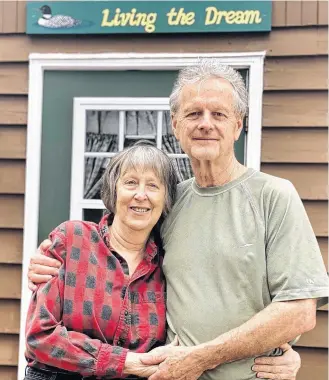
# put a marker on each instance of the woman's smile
(140, 210)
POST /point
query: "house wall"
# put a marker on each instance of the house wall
(294, 135)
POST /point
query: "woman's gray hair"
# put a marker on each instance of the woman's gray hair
(145, 156)
(211, 68)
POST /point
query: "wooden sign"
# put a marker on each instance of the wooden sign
(147, 17)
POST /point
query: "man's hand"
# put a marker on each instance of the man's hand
(181, 363)
(283, 367)
(42, 268)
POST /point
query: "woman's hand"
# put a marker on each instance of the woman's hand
(42, 268)
(283, 367)
(134, 366)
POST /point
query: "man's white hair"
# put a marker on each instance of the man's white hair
(211, 68)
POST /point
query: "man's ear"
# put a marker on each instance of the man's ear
(174, 124)
(238, 129)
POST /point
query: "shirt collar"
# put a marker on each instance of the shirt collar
(151, 249)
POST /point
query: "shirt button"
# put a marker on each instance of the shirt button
(126, 313)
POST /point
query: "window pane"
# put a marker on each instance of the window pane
(140, 125)
(171, 145)
(183, 168)
(131, 141)
(169, 141)
(93, 215)
(102, 131)
(166, 123)
(94, 169)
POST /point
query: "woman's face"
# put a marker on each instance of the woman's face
(140, 199)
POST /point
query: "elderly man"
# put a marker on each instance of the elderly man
(242, 264)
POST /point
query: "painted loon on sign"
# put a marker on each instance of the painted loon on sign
(57, 21)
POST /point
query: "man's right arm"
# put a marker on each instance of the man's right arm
(42, 268)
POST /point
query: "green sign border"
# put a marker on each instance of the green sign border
(147, 17)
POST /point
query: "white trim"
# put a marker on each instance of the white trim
(122, 128)
(159, 129)
(92, 204)
(137, 61)
(38, 63)
(138, 137)
(126, 104)
(109, 155)
(32, 187)
(254, 135)
(79, 143)
(99, 154)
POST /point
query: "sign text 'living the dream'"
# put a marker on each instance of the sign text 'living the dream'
(114, 17)
(178, 16)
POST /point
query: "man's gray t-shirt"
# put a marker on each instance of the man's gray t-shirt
(231, 251)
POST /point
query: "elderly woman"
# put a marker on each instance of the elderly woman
(108, 302)
(107, 306)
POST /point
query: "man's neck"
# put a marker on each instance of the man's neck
(218, 173)
(126, 240)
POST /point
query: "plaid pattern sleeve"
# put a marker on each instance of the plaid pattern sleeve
(49, 341)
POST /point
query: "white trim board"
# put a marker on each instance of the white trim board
(138, 61)
(38, 63)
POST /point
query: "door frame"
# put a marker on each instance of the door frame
(39, 63)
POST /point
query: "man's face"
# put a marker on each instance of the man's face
(206, 124)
